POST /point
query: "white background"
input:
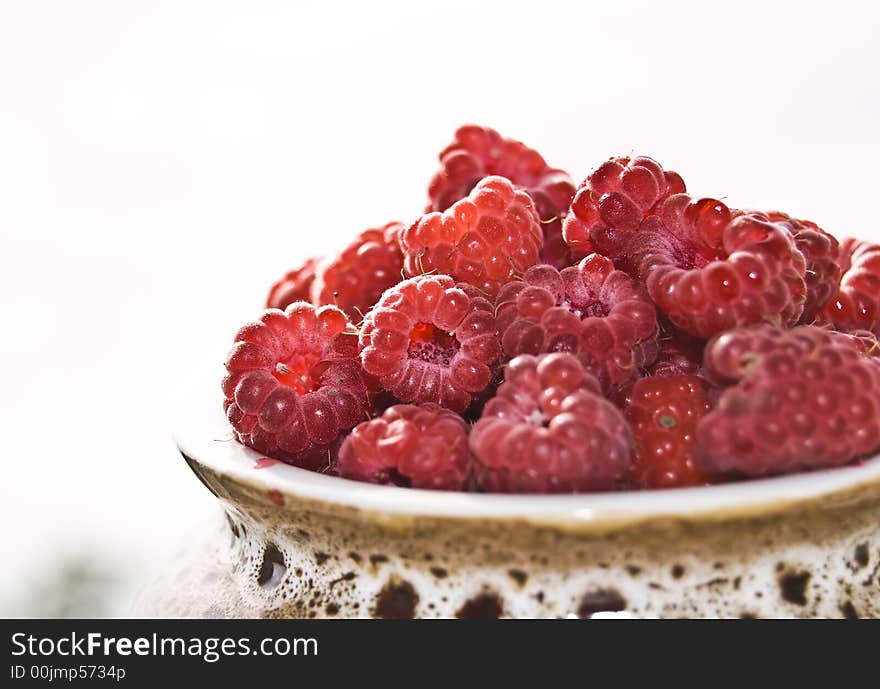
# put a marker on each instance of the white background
(162, 162)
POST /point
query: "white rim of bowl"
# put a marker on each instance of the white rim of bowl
(203, 434)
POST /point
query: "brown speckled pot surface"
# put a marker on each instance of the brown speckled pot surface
(299, 544)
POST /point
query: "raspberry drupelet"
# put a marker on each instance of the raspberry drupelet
(479, 152)
(483, 240)
(356, 278)
(294, 384)
(663, 412)
(710, 269)
(427, 340)
(800, 399)
(613, 200)
(293, 286)
(856, 305)
(591, 310)
(821, 253)
(549, 430)
(415, 446)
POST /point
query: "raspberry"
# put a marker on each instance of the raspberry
(680, 354)
(356, 278)
(800, 399)
(479, 152)
(294, 286)
(710, 269)
(483, 240)
(590, 309)
(820, 251)
(856, 305)
(663, 413)
(611, 202)
(294, 384)
(418, 447)
(429, 341)
(548, 430)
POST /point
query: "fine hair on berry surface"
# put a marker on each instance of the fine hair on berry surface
(549, 430)
(797, 399)
(294, 385)
(590, 309)
(484, 239)
(427, 340)
(356, 278)
(679, 352)
(422, 446)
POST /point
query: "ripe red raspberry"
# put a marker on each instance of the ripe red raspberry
(680, 354)
(548, 430)
(663, 413)
(294, 286)
(710, 269)
(591, 310)
(358, 276)
(856, 305)
(429, 341)
(611, 202)
(415, 446)
(820, 250)
(294, 384)
(483, 240)
(800, 399)
(479, 152)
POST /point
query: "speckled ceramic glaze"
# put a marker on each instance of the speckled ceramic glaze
(299, 544)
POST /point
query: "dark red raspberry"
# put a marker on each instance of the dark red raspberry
(356, 278)
(613, 200)
(663, 413)
(483, 240)
(680, 354)
(821, 252)
(548, 430)
(415, 446)
(294, 286)
(856, 306)
(294, 384)
(590, 309)
(429, 341)
(710, 269)
(800, 399)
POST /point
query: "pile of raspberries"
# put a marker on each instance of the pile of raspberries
(526, 335)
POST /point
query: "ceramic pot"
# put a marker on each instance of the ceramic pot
(299, 544)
